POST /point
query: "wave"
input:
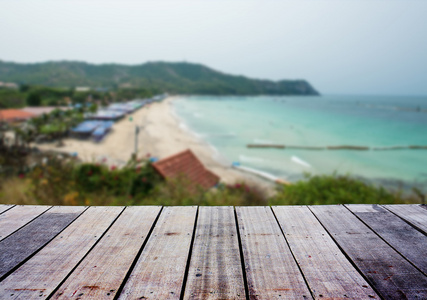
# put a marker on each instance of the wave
(221, 135)
(251, 159)
(183, 126)
(258, 172)
(301, 162)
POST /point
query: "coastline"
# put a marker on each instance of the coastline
(160, 136)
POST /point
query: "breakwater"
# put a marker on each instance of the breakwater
(304, 127)
(338, 147)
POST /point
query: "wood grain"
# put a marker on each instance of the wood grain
(160, 270)
(271, 271)
(328, 272)
(4, 207)
(414, 214)
(216, 269)
(408, 241)
(386, 270)
(101, 273)
(40, 275)
(13, 249)
(16, 217)
(60, 252)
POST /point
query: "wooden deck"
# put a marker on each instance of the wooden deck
(189, 252)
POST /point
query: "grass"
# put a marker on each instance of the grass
(16, 191)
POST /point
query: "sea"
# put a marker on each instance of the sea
(387, 125)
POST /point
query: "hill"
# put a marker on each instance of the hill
(182, 78)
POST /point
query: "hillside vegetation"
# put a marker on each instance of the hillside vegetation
(64, 181)
(181, 78)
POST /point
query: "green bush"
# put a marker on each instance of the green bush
(133, 180)
(144, 181)
(89, 177)
(52, 181)
(61, 181)
(242, 194)
(332, 189)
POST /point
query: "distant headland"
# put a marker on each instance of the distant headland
(176, 78)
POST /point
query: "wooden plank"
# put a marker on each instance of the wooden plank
(41, 274)
(4, 207)
(414, 214)
(328, 272)
(101, 273)
(408, 241)
(271, 271)
(215, 269)
(23, 243)
(387, 271)
(160, 269)
(18, 216)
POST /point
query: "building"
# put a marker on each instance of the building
(15, 115)
(187, 165)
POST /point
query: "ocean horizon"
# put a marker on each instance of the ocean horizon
(384, 124)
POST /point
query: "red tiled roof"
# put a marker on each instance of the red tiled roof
(186, 164)
(9, 115)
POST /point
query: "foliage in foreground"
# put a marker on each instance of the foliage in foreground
(334, 189)
(59, 180)
(63, 182)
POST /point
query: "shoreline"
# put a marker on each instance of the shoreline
(160, 136)
(177, 139)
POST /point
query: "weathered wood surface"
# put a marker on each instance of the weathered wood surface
(36, 234)
(161, 266)
(408, 241)
(414, 214)
(16, 217)
(271, 270)
(387, 271)
(101, 273)
(215, 269)
(40, 276)
(327, 271)
(4, 207)
(149, 252)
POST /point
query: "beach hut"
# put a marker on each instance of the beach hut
(85, 129)
(101, 131)
(105, 114)
(186, 164)
(95, 129)
(123, 107)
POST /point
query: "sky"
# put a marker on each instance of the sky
(341, 47)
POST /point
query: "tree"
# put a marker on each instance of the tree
(24, 87)
(34, 99)
(93, 108)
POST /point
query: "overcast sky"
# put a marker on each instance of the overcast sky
(340, 47)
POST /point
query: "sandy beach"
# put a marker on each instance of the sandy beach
(160, 136)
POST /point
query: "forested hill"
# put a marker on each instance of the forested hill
(182, 78)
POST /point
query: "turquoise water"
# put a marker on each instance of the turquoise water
(230, 123)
